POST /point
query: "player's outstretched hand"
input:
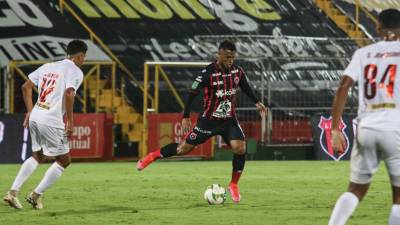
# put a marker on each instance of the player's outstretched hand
(261, 108)
(26, 120)
(186, 125)
(338, 142)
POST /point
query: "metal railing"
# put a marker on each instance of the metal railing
(95, 38)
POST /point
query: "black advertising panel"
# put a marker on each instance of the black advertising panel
(322, 137)
(15, 145)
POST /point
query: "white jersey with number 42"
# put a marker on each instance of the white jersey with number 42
(376, 68)
(52, 79)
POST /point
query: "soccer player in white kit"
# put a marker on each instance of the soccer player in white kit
(57, 84)
(376, 68)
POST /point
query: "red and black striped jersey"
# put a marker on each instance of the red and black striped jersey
(220, 87)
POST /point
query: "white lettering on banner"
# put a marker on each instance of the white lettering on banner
(42, 48)
(80, 144)
(224, 9)
(81, 137)
(2, 129)
(257, 47)
(178, 129)
(18, 17)
(25, 144)
(80, 131)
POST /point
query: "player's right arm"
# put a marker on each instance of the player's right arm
(339, 102)
(27, 88)
(351, 74)
(198, 84)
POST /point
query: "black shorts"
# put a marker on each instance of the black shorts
(229, 129)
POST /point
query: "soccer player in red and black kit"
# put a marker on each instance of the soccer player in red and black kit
(220, 82)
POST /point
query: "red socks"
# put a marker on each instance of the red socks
(235, 177)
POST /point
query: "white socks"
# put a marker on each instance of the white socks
(344, 207)
(25, 171)
(394, 218)
(52, 174)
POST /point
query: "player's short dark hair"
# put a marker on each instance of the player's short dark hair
(227, 45)
(390, 19)
(76, 46)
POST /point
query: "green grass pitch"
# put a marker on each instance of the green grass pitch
(273, 192)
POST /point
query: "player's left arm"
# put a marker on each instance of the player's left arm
(72, 86)
(244, 85)
(69, 97)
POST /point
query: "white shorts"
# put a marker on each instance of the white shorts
(370, 147)
(51, 140)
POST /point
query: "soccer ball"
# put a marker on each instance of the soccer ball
(215, 194)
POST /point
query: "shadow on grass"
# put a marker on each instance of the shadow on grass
(111, 209)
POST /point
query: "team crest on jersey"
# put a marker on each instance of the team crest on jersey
(325, 124)
(236, 80)
(47, 87)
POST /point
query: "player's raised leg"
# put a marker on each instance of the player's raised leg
(167, 151)
(238, 161)
(51, 176)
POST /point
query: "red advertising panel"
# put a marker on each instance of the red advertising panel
(165, 128)
(89, 139)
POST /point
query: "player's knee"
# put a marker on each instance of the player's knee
(38, 157)
(239, 149)
(183, 149)
(358, 189)
(64, 160)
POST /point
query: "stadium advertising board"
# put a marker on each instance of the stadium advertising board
(14, 139)
(165, 128)
(91, 138)
(35, 30)
(322, 137)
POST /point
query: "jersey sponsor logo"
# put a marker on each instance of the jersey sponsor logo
(222, 93)
(387, 54)
(218, 82)
(223, 110)
(325, 124)
(196, 128)
(235, 71)
(195, 85)
(216, 74)
(220, 74)
(236, 80)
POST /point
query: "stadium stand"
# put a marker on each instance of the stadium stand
(292, 51)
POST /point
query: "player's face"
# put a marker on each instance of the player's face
(80, 59)
(226, 57)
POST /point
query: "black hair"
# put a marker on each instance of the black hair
(227, 45)
(390, 19)
(76, 46)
